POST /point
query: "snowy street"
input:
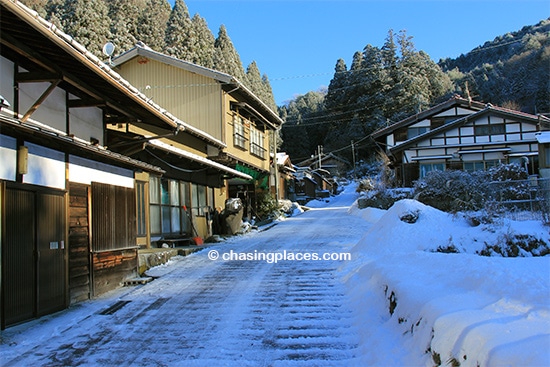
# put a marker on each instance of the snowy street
(398, 301)
(203, 312)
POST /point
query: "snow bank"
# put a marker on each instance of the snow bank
(453, 307)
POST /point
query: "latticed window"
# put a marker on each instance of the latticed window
(239, 139)
(113, 217)
(257, 143)
(169, 200)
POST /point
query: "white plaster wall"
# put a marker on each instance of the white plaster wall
(8, 157)
(86, 123)
(6, 80)
(46, 167)
(86, 171)
(51, 112)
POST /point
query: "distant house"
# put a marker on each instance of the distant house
(459, 134)
(286, 171)
(305, 185)
(241, 128)
(330, 162)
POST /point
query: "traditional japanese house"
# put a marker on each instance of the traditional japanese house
(73, 211)
(242, 129)
(459, 134)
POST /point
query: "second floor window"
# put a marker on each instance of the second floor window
(239, 139)
(493, 129)
(257, 143)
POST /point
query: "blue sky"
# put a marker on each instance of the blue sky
(297, 42)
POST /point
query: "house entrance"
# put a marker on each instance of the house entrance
(34, 281)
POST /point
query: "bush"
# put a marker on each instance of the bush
(451, 191)
(383, 199)
(517, 245)
(266, 205)
(454, 191)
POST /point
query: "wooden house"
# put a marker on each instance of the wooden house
(460, 134)
(74, 211)
(286, 171)
(335, 165)
(241, 128)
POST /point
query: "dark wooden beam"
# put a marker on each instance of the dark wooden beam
(86, 102)
(37, 77)
(39, 101)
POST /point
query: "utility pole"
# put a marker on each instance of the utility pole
(319, 152)
(353, 155)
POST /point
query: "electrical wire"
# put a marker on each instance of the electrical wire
(174, 167)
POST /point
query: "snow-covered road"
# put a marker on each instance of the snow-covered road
(204, 312)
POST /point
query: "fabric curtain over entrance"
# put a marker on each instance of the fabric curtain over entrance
(261, 179)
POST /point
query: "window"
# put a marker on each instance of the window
(257, 143)
(400, 134)
(494, 129)
(480, 165)
(415, 131)
(426, 168)
(167, 201)
(436, 122)
(239, 139)
(141, 209)
(198, 199)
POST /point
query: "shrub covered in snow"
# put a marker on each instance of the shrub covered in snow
(454, 191)
(383, 199)
(451, 191)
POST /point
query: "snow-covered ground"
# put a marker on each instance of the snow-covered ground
(398, 302)
(450, 308)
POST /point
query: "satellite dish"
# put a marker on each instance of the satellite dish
(109, 49)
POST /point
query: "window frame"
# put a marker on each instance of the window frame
(239, 134)
(257, 138)
(490, 129)
(168, 208)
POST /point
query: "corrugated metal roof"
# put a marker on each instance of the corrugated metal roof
(197, 158)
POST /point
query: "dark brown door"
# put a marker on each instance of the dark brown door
(33, 253)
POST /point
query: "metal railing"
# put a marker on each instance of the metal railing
(520, 199)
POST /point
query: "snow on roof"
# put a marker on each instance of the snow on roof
(543, 137)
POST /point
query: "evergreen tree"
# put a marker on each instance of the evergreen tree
(304, 126)
(180, 37)
(54, 12)
(254, 80)
(204, 42)
(375, 81)
(87, 21)
(124, 15)
(226, 58)
(270, 99)
(152, 23)
(336, 94)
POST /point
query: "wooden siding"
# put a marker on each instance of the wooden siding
(112, 268)
(194, 99)
(79, 245)
(515, 132)
(113, 217)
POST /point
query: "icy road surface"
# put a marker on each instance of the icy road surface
(203, 312)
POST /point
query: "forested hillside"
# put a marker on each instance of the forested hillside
(381, 86)
(154, 22)
(384, 85)
(512, 70)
